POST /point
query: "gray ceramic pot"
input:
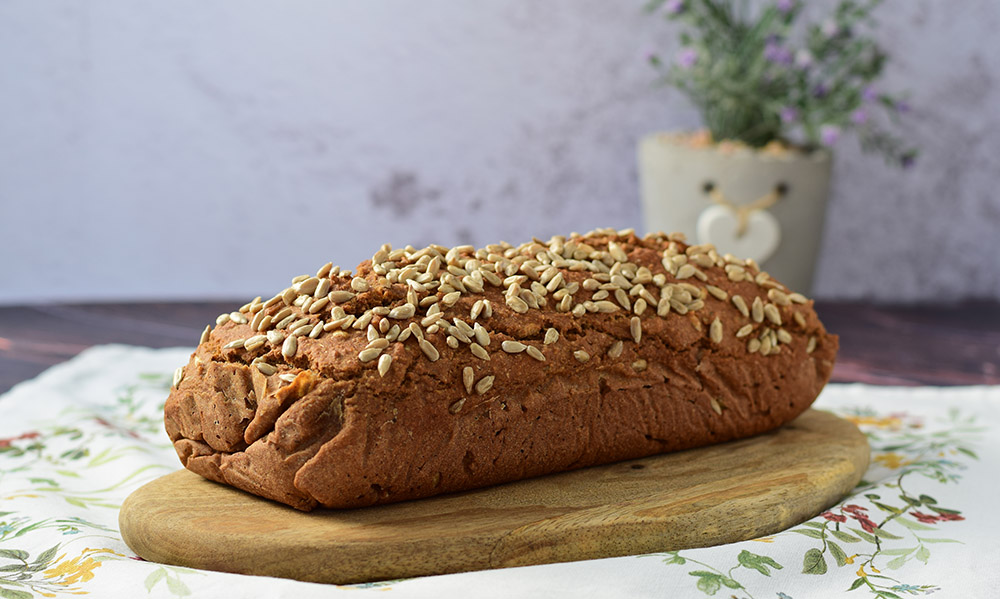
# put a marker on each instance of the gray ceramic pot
(702, 192)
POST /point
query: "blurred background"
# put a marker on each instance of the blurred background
(192, 150)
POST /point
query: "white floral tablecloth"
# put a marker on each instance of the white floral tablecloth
(75, 441)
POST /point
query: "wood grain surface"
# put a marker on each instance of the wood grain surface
(719, 494)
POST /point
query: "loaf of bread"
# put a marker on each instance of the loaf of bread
(442, 369)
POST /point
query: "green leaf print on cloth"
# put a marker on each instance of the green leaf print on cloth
(889, 519)
(81, 437)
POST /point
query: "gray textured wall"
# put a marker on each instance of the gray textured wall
(198, 149)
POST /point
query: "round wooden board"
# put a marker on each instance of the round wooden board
(696, 498)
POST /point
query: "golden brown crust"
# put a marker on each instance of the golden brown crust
(333, 424)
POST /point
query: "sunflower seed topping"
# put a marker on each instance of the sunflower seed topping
(384, 362)
(265, 368)
(741, 305)
(339, 297)
(715, 331)
(178, 377)
(811, 345)
(205, 334)
(535, 353)
(715, 406)
(403, 312)
(254, 342)
(616, 349)
(429, 350)
(635, 327)
(369, 354)
(468, 378)
(551, 336)
(757, 312)
(484, 384)
(772, 313)
(513, 347)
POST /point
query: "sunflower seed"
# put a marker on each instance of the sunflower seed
(254, 342)
(285, 322)
(379, 343)
(476, 310)
(772, 313)
(741, 305)
(178, 377)
(287, 377)
(384, 362)
(322, 289)
(517, 304)
(367, 355)
(744, 331)
(468, 378)
(429, 350)
(234, 344)
(339, 297)
(606, 307)
(617, 253)
(512, 347)
(757, 311)
(811, 345)
(358, 284)
(616, 349)
(799, 319)
(779, 297)
(639, 365)
(481, 334)
(324, 270)
(635, 327)
(717, 293)
(623, 299)
(316, 330)
(685, 271)
(221, 319)
(535, 353)
(205, 334)
(290, 346)
(363, 322)
(753, 345)
(663, 307)
(715, 406)
(288, 296)
(275, 337)
(479, 351)
(265, 368)
(551, 336)
(238, 318)
(318, 305)
(715, 331)
(484, 384)
(581, 356)
(798, 298)
(450, 299)
(784, 336)
(403, 312)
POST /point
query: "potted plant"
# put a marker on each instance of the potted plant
(775, 94)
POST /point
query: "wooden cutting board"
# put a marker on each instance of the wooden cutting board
(720, 494)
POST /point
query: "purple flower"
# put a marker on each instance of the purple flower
(859, 116)
(776, 53)
(687, 57)
(868, 94)
(785, 6)
(902, 107)
(820, 90)
(674, 7)
(829, 134)
(789, 114)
